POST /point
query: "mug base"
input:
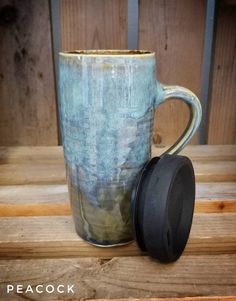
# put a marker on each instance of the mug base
(110, 245)
(105, 244)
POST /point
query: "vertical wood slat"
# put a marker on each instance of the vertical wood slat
(133, 23)
(175, 31)
(222, 120)
(206, 69)
(27, 94)
(89, 24)
(56, 47)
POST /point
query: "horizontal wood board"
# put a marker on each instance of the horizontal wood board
(48, 200)
(45, 165)
(129, 277)
(43, 228)
(54, 236)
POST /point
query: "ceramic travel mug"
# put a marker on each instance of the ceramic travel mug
(107, 103)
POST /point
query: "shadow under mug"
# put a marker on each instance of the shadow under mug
(107, 100)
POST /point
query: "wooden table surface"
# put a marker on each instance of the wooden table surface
(38, 244)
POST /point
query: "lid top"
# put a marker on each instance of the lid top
(162, 206)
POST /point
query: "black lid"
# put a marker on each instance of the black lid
(162, 206)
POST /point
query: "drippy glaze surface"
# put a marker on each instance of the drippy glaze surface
(106, 114)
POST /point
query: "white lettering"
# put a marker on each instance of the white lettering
(37, 289)
(58, 289)
(70, 288)
(10, 288)
(49, 286)
(19, 288)
(29, 289)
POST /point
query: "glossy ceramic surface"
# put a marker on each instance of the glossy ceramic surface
(107, 102)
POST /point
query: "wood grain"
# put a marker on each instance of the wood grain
(50, 194)
(128, 277)
(53, 208)
(47, 173)
(28, 209)
(213, 206)
(205, 298)
(54, 236)
(54, 154)
(222, 119)
(27, 92)
(89, 24)
(216, 191)
(29, 154)
(174, 30)
(49, 200)
(25, 165)
(204, 152)
(19, 174)
(39, 194)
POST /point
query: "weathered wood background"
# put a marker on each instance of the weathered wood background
(38, 244)
(174, 29)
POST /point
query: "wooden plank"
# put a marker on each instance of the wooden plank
(48, 200)
(127, 277)
(35, 194)
(209, 206)
(29, 209)
(216, 191)
(35, 237)
(88, 24)
(18, 174)
(217, 171)
(175, 31)
(27, 92)
(25, 165)
(51, 209)
(54, 173)
(27, 155)
(222, 121)
(204, 152)
(50, 194)
(205, 298)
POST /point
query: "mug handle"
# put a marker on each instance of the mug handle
(164, 93)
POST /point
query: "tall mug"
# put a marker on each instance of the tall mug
(107, 104)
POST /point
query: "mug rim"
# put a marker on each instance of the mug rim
(108, 52)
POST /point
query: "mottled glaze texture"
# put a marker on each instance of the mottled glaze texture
(106, 113)
(107, 102)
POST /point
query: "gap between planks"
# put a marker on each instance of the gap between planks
(25, 237)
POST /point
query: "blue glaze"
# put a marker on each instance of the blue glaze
(106, 114)
(107, 102)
